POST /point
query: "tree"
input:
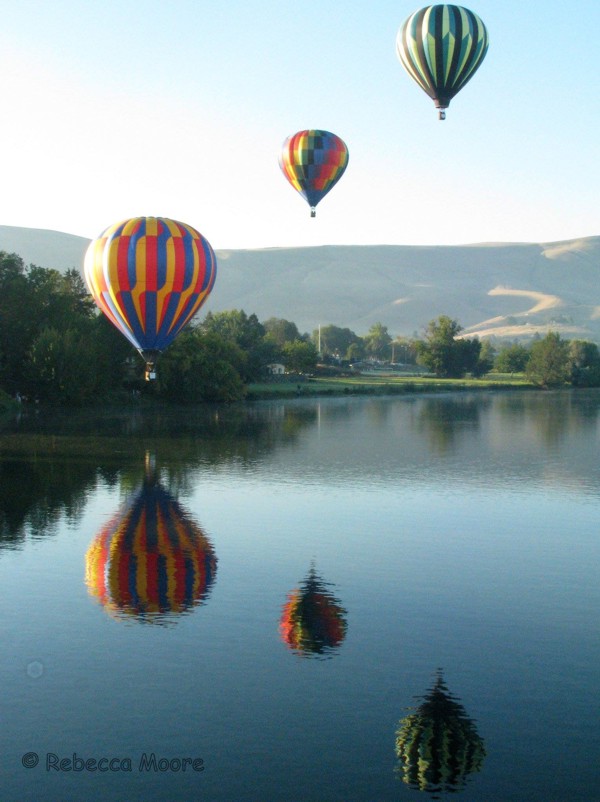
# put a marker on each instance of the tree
(548, 364)
(584, 364)
(248, 334)
(18, 322)
(485, 361)
(334, 341)
(377, 341)
(281, 331)
(35, 301)
(201, 367)
(512, 359)
(404, 351)
(443, 353)
(300, 356)
(62, 365)
(355, 352)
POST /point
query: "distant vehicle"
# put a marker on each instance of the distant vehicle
(441, 47)
(150, 275)
(313, 161)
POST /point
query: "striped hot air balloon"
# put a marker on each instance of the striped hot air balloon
(441, 47)
(150, 275)
(151, 560)
(313, 161)
(313, 622)
(438, 745)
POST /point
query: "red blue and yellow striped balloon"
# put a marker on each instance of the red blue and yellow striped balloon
(151, 559)
(150, 275)
(313, 161)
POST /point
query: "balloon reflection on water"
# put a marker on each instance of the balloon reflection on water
(438, 745)
(151, 559)
(313, 622)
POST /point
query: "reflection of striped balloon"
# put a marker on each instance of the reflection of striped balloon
(313, 621)
(151, 558)
(150, 275)
(313, 162)
(441, 47)
(438, 745)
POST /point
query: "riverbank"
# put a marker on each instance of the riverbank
(383, 385)
(314, 387)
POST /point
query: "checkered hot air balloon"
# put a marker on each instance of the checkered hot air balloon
(151, 560)
(150, 275)
(313, 161)
(441, 47)
(313, 622)
(438, 745)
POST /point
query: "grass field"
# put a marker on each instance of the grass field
(384, 385)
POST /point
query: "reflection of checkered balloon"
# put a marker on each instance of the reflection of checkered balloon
(313, 161)
(313, 622)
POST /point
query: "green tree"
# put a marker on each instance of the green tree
(584, 364)
(34, 300)
(281, 331)
(335, 341)
(444, 353)
(548, 364)
(18, 322)
(62, 365)
(355, 352)
(404, 351)
(300, 356)
(118, 364)
(512, 359)
(201, 367)
(485, 361)
(247, 333)
(377, 341)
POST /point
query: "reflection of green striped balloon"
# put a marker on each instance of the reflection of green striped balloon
(438, 745)
(441, 47)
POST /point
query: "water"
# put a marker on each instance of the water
(258, 603)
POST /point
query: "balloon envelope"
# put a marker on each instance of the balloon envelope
(441, 47)
(151, 559)
(150, 275)
(313, 161)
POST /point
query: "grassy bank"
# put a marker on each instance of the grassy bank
(383, 385)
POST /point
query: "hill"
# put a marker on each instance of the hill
(504, 290)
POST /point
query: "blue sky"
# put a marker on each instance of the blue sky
(112, 110)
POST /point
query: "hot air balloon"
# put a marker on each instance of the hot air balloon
(313, 161)
(150, 275)
(151, 560)
(441, 47)
(438, 745)
(313, 622)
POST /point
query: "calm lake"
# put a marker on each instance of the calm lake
(335, 600)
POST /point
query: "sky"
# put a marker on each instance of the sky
(112, 110)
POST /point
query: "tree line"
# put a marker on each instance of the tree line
(55, 347)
